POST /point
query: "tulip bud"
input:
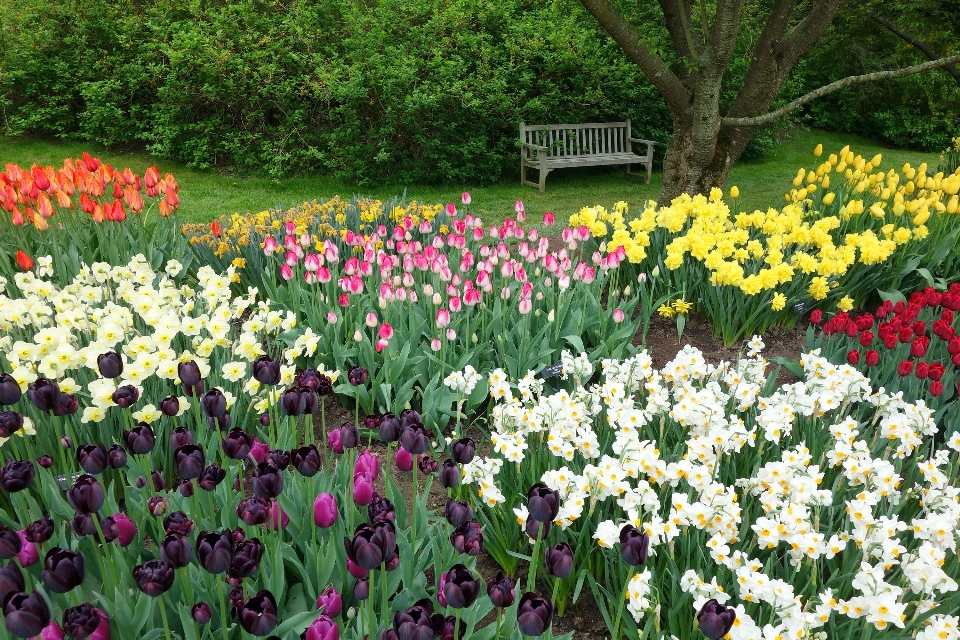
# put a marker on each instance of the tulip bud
(201, 613)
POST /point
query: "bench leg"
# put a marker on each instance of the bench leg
(523, 172)
(649, 170)
(543, 179)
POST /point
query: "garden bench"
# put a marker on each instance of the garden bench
(556, 146)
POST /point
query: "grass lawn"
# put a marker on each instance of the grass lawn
(206, 195)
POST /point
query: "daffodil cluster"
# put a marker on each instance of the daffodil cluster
(821, 505)
(845, 228)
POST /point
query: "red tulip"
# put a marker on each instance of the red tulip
(853, 356)
(215, 228)
(25, 261)
(872, 358)
(936, 388)
(40, 178)
(923, 369)
(919, 347)
(905, 367)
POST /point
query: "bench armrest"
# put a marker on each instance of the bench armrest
(538, 147)
(651, 142)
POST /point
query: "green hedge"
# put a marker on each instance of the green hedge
(399, 90)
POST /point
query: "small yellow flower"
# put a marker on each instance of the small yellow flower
(734, 192)
(845, 304)
(682, 306)
(779, 302)
(666, 311)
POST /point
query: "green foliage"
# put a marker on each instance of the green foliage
(376, 91)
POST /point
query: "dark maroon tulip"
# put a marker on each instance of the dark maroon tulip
(194, 391)
(11, 580)
(372, 545)
(10, 423)
(44, 394)
(428, 465)
(157, 505)
(116, 457)
(9, 390)
(159, 482)
(380, 509)
(39, 532)
(418, 622)
(389, 428)
(110, 364)
(178, 522)
(82, 621)
(258, 615)
(126, 396)
(409, 418)
(324, 387)
(215, 550)
(212, 475)
(278, 458)
(461, 588)
(236, 597)
(186, 488)
(414, 439)
(372, 421)
(92, 458)
(179, 437)
(309, 378)
(16, 475)
(265, 419)
(110, 529)
(86, 495)
(190, 461)
(170, 406)
(140, 439)
(543, 503)
(67, 406)
(467, 538)
(25, 615)
(534, 614)
(246, 559)
(536, 529)
(66, 443)
(501, 591)
(221, 422)
(154, 577)
(634, 545)
(306, 460)
(292, 402)
(267, 481)
(214, 403)
(361, 588)
(310, 400)
(45, 461)
(201, 613)
(458, 512)
(463, 450)
(266, 370)
(63, 570)
(357, 375)
(254, 511)
(176, 549)
(715, 620)
(559, 560)
(82, 524)
(237, 444)
(449, 474)
(349, 436)
(189, 373)
(330, 603)
(239, 535)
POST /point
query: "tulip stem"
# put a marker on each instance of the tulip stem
(383, 594)
(223, 606)
(416, 499)
(323, 427)
(370, 597)
(623, 599)
(163, 616)
(532, 577)
(104, 545)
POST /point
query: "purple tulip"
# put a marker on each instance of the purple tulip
(9, 390)
(349, 436)
(309, 378)
(535, 529)
(81, 621)
(427, 464)
(414, 439)
(306, 460)
(126, 396)
(409, 417)
(715, 620)
(63, 570)
(467, 538)
(501, 591)
(189, 373)
(258, 615)
(110, 364)
(67, 406)
(201, 613)
(543, 503)
(214, 403)
(178, 522)
(325, 510)
(463, 450)
(372, 545)
(267, 481)
(83, 525)
(266, 370)
(403, 460)
(389, 428)
(86, 495)
(292, 402)
(253, 511)
(215, 550)
(154, 577)
(449, 474)
(92, 458)
(559, 560)
(246, 559)
(39, 532)
(330, 602)
(170, 406)
(380, 509)
(190, 461)
(11, 580)
(44, 395)
(212, 475)
(10, 423)
(357, 375)
(16, 475)
(534, 614)
(634, 545)
(418, 622)
(458, 512)
(157, 505)
(116, 457)
(323, 628)
(25, 615)
(179, 437)
(140, 439)
(460, 589)
(176, 549)
(128, 530)
(237, 444)
(10, 542)
(361, 588)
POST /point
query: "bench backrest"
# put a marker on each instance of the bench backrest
(591, 138)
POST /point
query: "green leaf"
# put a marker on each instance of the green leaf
(575, 342)
(296, 601)
(790, 364)
(892, 296)
(296, 624)
(188, 623)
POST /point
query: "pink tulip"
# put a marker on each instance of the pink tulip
(311, 262)
(367, 464)
(525, 306)
(102, 632)
(291, 258)
(404, 459)
(259, 450)
(290, 243)
(325, 510)
(471, 297)
(443, 318)
(323, 628)
(128, 530)
(548, 218)
(381, 345)
(465, 198)
(518, 206)
(333, 441)
(451, 334)
(385, 331)
(451, 209)
(344, 300)
(291, 227)
(305, 240)
(455, 304)
(284, 519)
(331, 602)
(29, 554)
(617, 316)
(331, 253)
(362, 490)
(269, 245)
(435, 344)
(356, 570)
(310, 277)
(286, 272)
(52, 632)
(331, 317)
(371, 320)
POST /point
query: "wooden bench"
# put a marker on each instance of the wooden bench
(556, 146)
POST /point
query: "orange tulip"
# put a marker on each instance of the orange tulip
(87, 204)
(173, 199)
(164, 207)
(18, 219)
(91, 163)
(133, 199)
(38, 221)
(171, 182)
(28, 188)
(128, 176)
(63, 199)
(40, 178)
(14, 172)
(98, 214)
(119, 213)
(117, 190)
(151, 177)
(215, 228)
(25, 261)
(44, 206)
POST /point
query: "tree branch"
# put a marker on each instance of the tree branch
(626, 35)
(910, 38)
(839, 84)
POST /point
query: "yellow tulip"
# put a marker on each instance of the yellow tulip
(952, 204)
(828, 199)
(825, 182)
(921, 217)
(734, 192)
(818, 151)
